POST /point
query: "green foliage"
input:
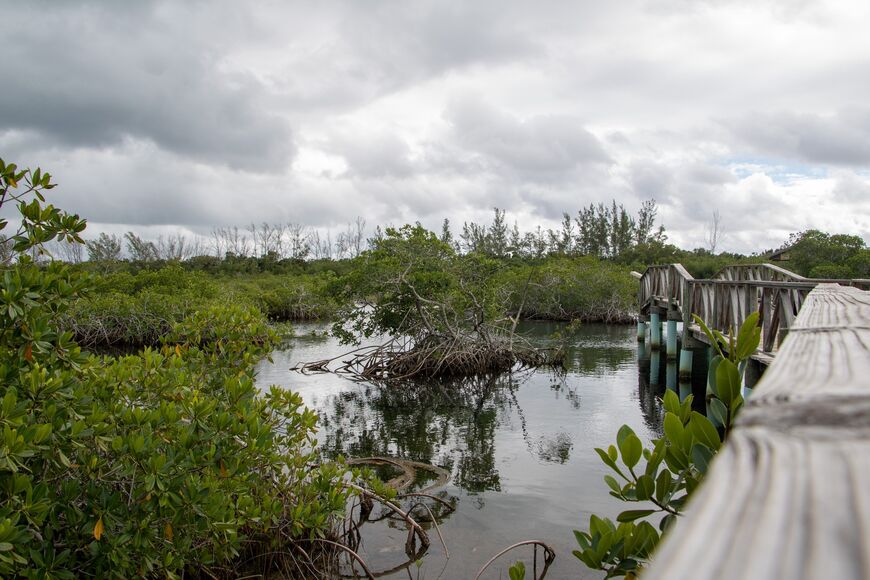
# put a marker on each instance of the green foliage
(165, 463)
(298, 297)
(138, 309)
(410, 283)
(820, 255)
(560, 288)
(40, 222)
(517, 571)
(663, 476)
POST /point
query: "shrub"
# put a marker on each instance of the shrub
(168, 462)
(673, 467)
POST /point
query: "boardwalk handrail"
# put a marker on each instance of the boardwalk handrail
(766, 272)
(786, 497)
(734, 292)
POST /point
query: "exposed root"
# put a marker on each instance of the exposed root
(549, 556)
(409, 472)
(436, 356)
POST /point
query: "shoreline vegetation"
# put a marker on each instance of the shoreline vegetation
(168, 461)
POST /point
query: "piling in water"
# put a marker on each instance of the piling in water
(672, 340)
(655, 330)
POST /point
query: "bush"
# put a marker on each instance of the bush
(168, 462)
(287, 298)
(585, 289)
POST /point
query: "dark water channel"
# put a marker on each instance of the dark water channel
(519, 449)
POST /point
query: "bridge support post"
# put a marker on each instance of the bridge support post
(655, 362)
(671, 339)
(671, 375)
(655, 328)
(751, 376)
(641, 331)
(685, 365)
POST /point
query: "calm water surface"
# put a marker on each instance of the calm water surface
(519, 449)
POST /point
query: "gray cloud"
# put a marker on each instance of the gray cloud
(94, 74)
(537, 149)
(841, 138)
(165, 113)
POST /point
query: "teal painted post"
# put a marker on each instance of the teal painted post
(641, 331)
(685, 390)
(671, 375)
(655, 362)
(685, 365)
(672, 340)
(655, 331)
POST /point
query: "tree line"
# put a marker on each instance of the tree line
(603, 231)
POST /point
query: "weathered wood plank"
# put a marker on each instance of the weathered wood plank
(787, 497)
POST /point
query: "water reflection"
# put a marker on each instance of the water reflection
(450, 424)
(519, 449)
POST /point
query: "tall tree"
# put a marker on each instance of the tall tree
(106, 248)
(140, 250)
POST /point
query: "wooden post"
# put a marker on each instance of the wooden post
(686, 309)
(641, 331)
(655, 328)
(671, 346)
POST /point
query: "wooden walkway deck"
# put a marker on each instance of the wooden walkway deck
(788, 496)
(725, 300)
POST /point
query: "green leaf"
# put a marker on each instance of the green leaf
(631, 515)
(748, 337)
(622, 434)
(645, 487)
(727, 382)
(612, 484)
(674, 430)
(667, 522)
(517, 571)
(718, 411)
(664, 485)
(609, 462)
(671, 402)
(631, 449)
(703, 431)
(701, 457)
(711, 375)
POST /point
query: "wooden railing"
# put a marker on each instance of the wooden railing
(786, 497)
(725, 300)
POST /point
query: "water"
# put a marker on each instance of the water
(520, 449)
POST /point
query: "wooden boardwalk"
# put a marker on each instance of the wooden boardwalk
(725, 300)
(788, 496)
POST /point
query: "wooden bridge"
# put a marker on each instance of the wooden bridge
(788, 496)
(723, 303)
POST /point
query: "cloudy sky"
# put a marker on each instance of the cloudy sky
(168, 116)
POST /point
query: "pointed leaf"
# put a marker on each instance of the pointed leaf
(631, 515)
(703, 431)
(727, 382)
(701, 457)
